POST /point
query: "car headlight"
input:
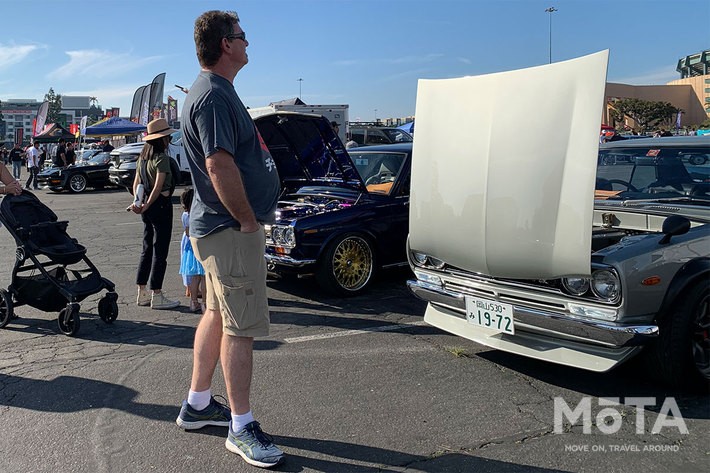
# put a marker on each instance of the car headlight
(425, 260)
(606, 285)
(419, 258)
(283, 235)
(576, 286)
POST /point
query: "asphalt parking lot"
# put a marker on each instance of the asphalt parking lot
(343, 385)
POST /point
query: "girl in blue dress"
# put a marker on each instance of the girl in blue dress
(191, 269)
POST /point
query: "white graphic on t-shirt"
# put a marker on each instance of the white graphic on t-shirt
(269, 163)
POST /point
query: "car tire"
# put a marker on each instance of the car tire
(680, 356)
(77, 183)
(347, 266)
(697, 160)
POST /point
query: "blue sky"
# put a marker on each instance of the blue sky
(365, 53)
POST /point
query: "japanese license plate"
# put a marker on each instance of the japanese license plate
(490, 314)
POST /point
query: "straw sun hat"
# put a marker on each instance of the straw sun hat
(157, 129)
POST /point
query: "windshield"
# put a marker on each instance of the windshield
(100, 158)
(398, 136)
(379, 170)
(653, 173)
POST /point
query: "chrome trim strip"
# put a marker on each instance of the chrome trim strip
(546, 323)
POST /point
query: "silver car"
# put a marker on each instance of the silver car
(648, 288)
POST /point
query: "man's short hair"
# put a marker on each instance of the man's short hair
(210, 28)
(61, 140)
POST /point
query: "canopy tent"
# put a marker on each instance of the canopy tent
(115, 126)
(52, 133)
(408, 127)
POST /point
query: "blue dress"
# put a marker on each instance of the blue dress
(189, 266)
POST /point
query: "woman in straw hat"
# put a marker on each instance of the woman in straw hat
(152, 187)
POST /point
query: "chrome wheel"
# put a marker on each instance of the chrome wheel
(77, 183)
(347, 266)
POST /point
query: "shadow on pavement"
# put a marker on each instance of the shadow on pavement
(73, 394)
(123, 332)
(628, 380)
(387, 460)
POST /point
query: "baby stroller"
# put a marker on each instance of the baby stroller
(52, 272)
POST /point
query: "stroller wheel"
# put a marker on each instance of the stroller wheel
(108, 309)
(69, 320)
(5, 308)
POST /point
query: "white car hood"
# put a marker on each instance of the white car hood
(503, 169)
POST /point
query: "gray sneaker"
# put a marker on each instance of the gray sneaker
(215, 413)
(159, 301)
(254, 445)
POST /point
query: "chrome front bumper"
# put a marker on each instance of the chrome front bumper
(281, 260)
(548, 336)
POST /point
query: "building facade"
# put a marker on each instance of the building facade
(19, 114)
(690, 93)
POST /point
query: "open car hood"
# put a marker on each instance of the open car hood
(307, 151)
(503, 200)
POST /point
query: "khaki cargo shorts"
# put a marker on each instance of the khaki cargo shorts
(235, 279)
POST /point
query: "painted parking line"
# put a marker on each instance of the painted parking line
(347, 333)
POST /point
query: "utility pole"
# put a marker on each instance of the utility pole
(300, 81)
(551, 10)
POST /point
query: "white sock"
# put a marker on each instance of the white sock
(199, 400)
(240, 421)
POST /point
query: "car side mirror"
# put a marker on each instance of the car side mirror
(672, 226)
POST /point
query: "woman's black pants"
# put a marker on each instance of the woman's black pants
(157, 232)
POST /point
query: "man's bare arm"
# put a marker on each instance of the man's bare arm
(227, 182)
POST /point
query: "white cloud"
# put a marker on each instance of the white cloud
(13, 54)
(657, 77)
(416, 59)
(464, 60)
(94, 63)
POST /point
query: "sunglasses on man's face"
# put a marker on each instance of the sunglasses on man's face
(232, 36)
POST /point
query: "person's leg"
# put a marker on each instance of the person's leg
(146, 254)
(237, 364)
(161, 214)
(206, 350)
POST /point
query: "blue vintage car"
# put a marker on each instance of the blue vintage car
(342, 214)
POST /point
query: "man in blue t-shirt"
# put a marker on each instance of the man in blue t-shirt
(236, 189)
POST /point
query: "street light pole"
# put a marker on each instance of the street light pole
(375, 116)
(300, 81)
(551, 10)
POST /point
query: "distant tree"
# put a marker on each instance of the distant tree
(55, 106)
(646, 113)
(704, 125)
(95, 114)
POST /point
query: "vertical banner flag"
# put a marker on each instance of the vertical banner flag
(41, 118)
(136, 104)
(82, 125)
(677, 120)
(156, 96)
(172, 110)
(145, 106)
(19, 135)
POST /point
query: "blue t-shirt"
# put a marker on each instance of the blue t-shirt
(214, 118)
